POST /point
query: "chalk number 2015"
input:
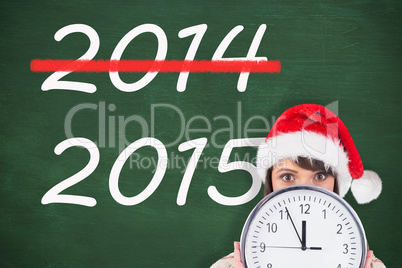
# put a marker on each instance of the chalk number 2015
(54, 194)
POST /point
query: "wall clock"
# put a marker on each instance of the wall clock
(303, 226)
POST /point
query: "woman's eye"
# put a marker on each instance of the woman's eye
(287, 177)
(320, 176)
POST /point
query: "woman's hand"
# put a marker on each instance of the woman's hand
(369, 259)
(237, 256)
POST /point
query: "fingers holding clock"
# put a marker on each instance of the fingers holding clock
(237, 255)
(369, 259)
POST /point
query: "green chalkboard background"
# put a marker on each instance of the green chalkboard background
(343, 53)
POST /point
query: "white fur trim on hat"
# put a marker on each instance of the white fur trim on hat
(366, 188)
(306, 144)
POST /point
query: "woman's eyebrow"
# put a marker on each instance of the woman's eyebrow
(287, 169)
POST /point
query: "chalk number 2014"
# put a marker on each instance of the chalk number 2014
(54, 82)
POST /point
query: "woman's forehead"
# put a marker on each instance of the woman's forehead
(288, 163)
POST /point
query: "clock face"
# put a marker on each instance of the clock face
(303, 226)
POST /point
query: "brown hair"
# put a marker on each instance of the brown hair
(305, 163)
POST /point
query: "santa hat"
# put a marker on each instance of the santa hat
(314, 132)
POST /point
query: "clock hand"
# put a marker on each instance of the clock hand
(281, 247)
(310, 248)
(303, 239)
(294, 227)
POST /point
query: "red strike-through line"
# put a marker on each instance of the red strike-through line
(163, 66)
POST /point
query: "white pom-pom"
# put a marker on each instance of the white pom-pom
(367, 188)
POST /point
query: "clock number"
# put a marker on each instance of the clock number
(53, 81)
(287, 214)
(224, 166)
(155, 181)
(305, 208)
(339, 266)
(121, 46)
(251, 54)
(340, 228)
(198, 31)
(346, 249)
(262, 246)
(199, 145)
(53, 195)
(325, 213)
(272, 227)
(269, 265)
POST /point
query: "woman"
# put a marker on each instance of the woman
(308, 144)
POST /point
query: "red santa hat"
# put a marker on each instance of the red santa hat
(314, 132)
